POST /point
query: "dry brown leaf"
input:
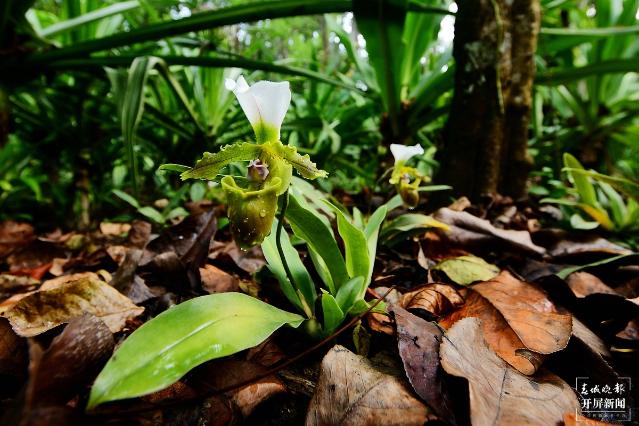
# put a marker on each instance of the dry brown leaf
(227, 373)
(418, 343)
(499, 335)
(438, 299)
(467, 230)
(351, 391)
(535, 319)
(500, 395)
(519, 322)
(215, 280)
(582, 284)
(71, 362)
(115, 228)
(13, 235)
(13, 351)
(250, 261)
(59, 301)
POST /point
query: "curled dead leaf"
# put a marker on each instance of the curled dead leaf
(438, 299)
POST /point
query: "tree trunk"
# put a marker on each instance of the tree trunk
(486, 135)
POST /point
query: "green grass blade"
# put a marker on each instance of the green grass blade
(87, 18)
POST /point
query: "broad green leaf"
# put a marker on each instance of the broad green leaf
(466, 270)
(322, 270)
(165, 348)
(372, 233)
(583, 185)
(199, 21)
(211, 164)
(151, 213)
(301, 163)
(333, 315)
(355, 246)
(126, 197)
(349, 293)
(310, 228)
(303, 281)
(624, 185)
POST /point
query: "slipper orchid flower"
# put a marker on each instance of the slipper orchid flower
(252, 205)
(406, 179)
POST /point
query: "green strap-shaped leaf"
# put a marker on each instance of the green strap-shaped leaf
(318, 236)
(303, 281)
(302, 163)
(355, 245)
(211, 164)
(333, 315)
(349, 293)
(165, 348)
(372, 233)
(582, 183)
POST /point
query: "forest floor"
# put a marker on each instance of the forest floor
(501, 319)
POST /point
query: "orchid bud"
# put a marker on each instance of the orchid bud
(251, 212)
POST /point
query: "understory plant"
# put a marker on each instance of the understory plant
(598, 199)
(208, 327)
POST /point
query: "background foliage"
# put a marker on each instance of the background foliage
(96, 95)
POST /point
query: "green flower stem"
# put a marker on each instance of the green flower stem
(278, 237)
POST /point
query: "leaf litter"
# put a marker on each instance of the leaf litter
(466, 340)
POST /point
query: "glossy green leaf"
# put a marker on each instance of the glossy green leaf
(333, 315)
(371, 231)
(317, 235)
(349, 293)
(165, 348)
(303, 285)
(582, 183)
(355, 246)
